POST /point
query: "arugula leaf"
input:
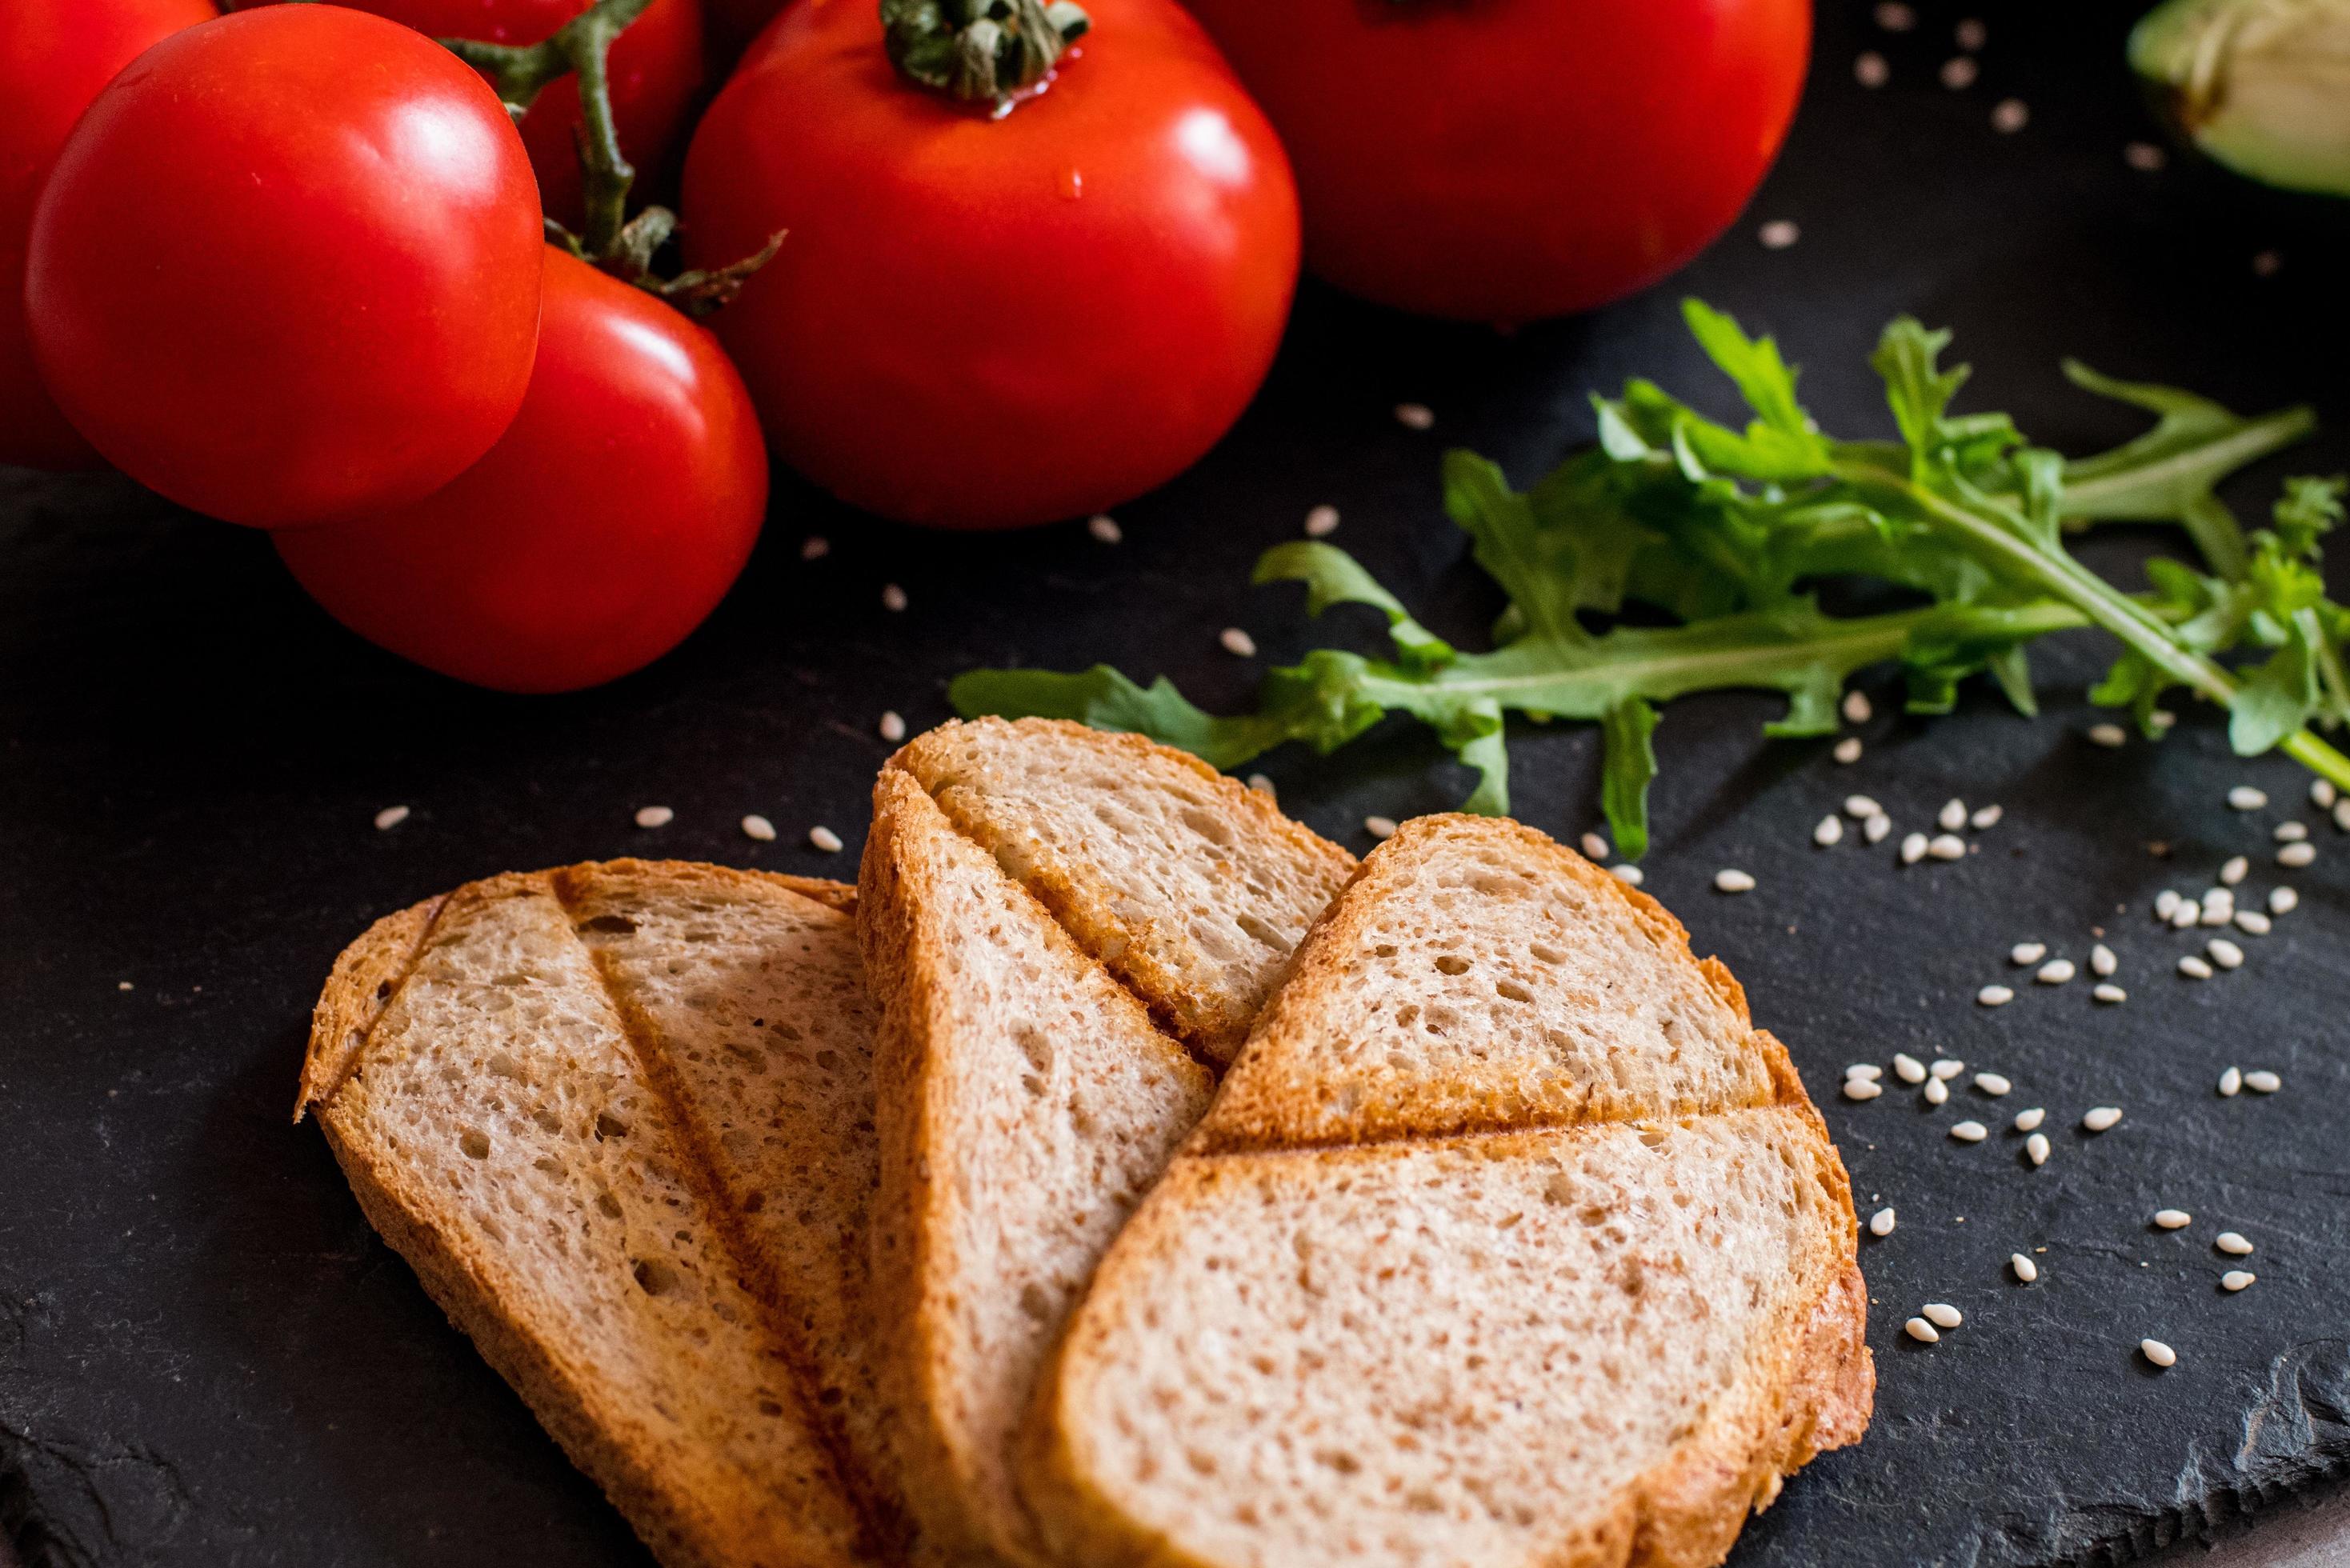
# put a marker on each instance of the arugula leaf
(1627, 765)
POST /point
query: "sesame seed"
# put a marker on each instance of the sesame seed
(2036, 1149)
(1947, 1067)
(2010, 115)
(2293, 856)
(1104, 527)
(2291, 832)
(1993, 1084)
(1941, 1314)
(892, 727)
(655, 816)
(2102, 962)
(1595, 846)
(1860, 808)
(2023, 955)
(1848, 749)
(1913, 849)
(1321, 521)
(2234, 871)
(2194, 968)
(1730, 879)
(1868, 1070)
(2263, 1082)
(2244, 797)
(825, 839)
(1861, 1089)
(1959, 73)
(1918, 1329)
(1778, 233)
(2055, 971)
(1937, 1092)
(2216, 910)
(893, 598)
(2342, 815)
(1881, 1222)
(2266, 263)
(389, 817)
(1858, 709)
(1261, 784)
(1628, 874)
(2236, 1280)
(2225, 953)
(1384, 829)
(1237, 643)
(815, 547)
(1830, 832)
(1987, 816)
(1970, 34)
(1877, 827)
(2231, 1083)
(1870, 69)
(1994, 996)
(2162, 720)
(1896, 17)
(2030, 1120)
(2283, 900)
(2025, 1269)
(2101, 1118)
(2323, 794)
(1947, 847)
(2232, 1242)
(2172, 1219)
(1970, 1132)
(2143, 156)
(2166, 904)
(1415, 416)
(2110, 994)
(2110, 736)
(1907, 1069)
(2186, 915)
(2161, 1354)
(123, 985)
(758, 827)
(1953, 815)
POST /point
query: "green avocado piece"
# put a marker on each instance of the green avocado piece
(2261, 86)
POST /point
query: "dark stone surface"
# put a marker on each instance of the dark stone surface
(206, 1358)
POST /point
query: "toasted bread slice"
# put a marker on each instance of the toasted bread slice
(1557, 1349)
(616, 1116)
(1190, 886)
(1476, 976)
(1026, 1103)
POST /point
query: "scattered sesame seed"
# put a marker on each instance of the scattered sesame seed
(2283, 900)
(2162, 720)
(1868, 1070)
(2231, 1083)
(2172, 1219)
(1384, 829)
(2342, 815)
(758, 827)
(2234, 870)
(1415, 416)
(1993, 1084)
(1918, 1329)
(2323, 794)
(892, 727)
(893, 598)
(2025, 1269)
(655, 816)
(1861, 1089)
(1778, 233)
(2194, 968)
(2293, 856)
(2144, 156)
(389, 817)
(1261, 784)
(1104, 527)
(2262, 1082)
(2225, 953)
(1970, 1132)
(1860, 808)
(1881, 1222)
(2108, 735)
(815, 547)
(2055, 971)
(1952, 817)
(1896, 17)
(2266, 263)
(1870, 69)
(1913, 849)
(1875, 829)
(2110, 994)
(2291, 832)
(2101, 1118)
(2030, 1120)
(2217, 911)
(2166, 904)
(123, 985)
(1907, 1069)
(2102, 962)
(1987, 816)
(1959, 73)
(1970, 34)
(1730, 879)
(2161, 1354)
(2010, 115)
(1941, 1314)
(1947, 1067)
(1858, 709)
(2232, 1242)
(2186, 915)
(1994, 996)
(1847, 750)
(2035, 1148)
(1947, 847)
(2024, 954)
(1937, 1092)
(825, 839)
(1321, 521)
(2236, 1280)
(1830, 832)
(1595, 846)
(1237, 643)
(1628, 874)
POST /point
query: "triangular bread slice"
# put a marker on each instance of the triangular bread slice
(615, 1117)
(1592, 1345)
(1476, 976)
(1026, 1104)
(1190, 886)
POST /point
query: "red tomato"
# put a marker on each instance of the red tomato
(655, 67)
(732, 23)
(984, 323)
(1505, 160)
(603, 526)
(54, 56)
(287, 267)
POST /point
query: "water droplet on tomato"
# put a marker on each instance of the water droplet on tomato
(1073, 183)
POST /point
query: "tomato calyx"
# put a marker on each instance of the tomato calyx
(980, 51)
(611, 241)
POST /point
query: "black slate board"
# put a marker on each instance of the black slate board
(206, 1358)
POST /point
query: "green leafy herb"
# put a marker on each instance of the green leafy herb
(1727, 530)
